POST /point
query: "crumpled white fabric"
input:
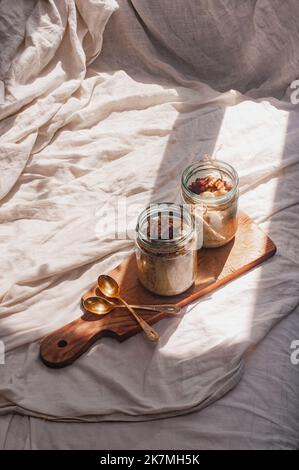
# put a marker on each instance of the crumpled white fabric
(76, 139)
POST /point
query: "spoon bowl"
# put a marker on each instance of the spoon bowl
(98, 305)
(108, 286)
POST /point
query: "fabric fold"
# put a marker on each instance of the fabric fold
(82, 151)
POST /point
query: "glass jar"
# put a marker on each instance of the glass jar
(166, 249)
(215, 211)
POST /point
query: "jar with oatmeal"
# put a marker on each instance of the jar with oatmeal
(166, 249)
(211, 188)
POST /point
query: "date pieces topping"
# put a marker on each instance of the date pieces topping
(209, 186)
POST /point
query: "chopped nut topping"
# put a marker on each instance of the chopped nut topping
(209, 186)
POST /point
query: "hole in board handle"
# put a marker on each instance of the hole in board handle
(62, 343)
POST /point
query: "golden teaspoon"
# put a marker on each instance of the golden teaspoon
(110, 288)
(102, 306)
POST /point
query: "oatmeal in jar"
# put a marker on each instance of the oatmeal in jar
(166, 249)
(211, 187)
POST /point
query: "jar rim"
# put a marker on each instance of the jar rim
(191, 169)
(173, 210)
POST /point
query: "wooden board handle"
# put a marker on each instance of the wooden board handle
(66, 344)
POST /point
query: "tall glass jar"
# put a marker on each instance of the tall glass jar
(166, 249)
(215, 211)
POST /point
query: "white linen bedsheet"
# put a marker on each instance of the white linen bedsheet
(127, 126)
(261, 412)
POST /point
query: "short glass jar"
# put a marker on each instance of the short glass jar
(166, 249)
(215, 212)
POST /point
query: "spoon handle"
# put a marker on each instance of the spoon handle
(148, 330)
(167, 308)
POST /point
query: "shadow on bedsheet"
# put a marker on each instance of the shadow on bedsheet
(195, 137)
(192, 135)
(190, 138)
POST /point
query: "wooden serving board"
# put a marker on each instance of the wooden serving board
(217, 266)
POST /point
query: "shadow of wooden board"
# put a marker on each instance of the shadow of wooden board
(216, 267)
